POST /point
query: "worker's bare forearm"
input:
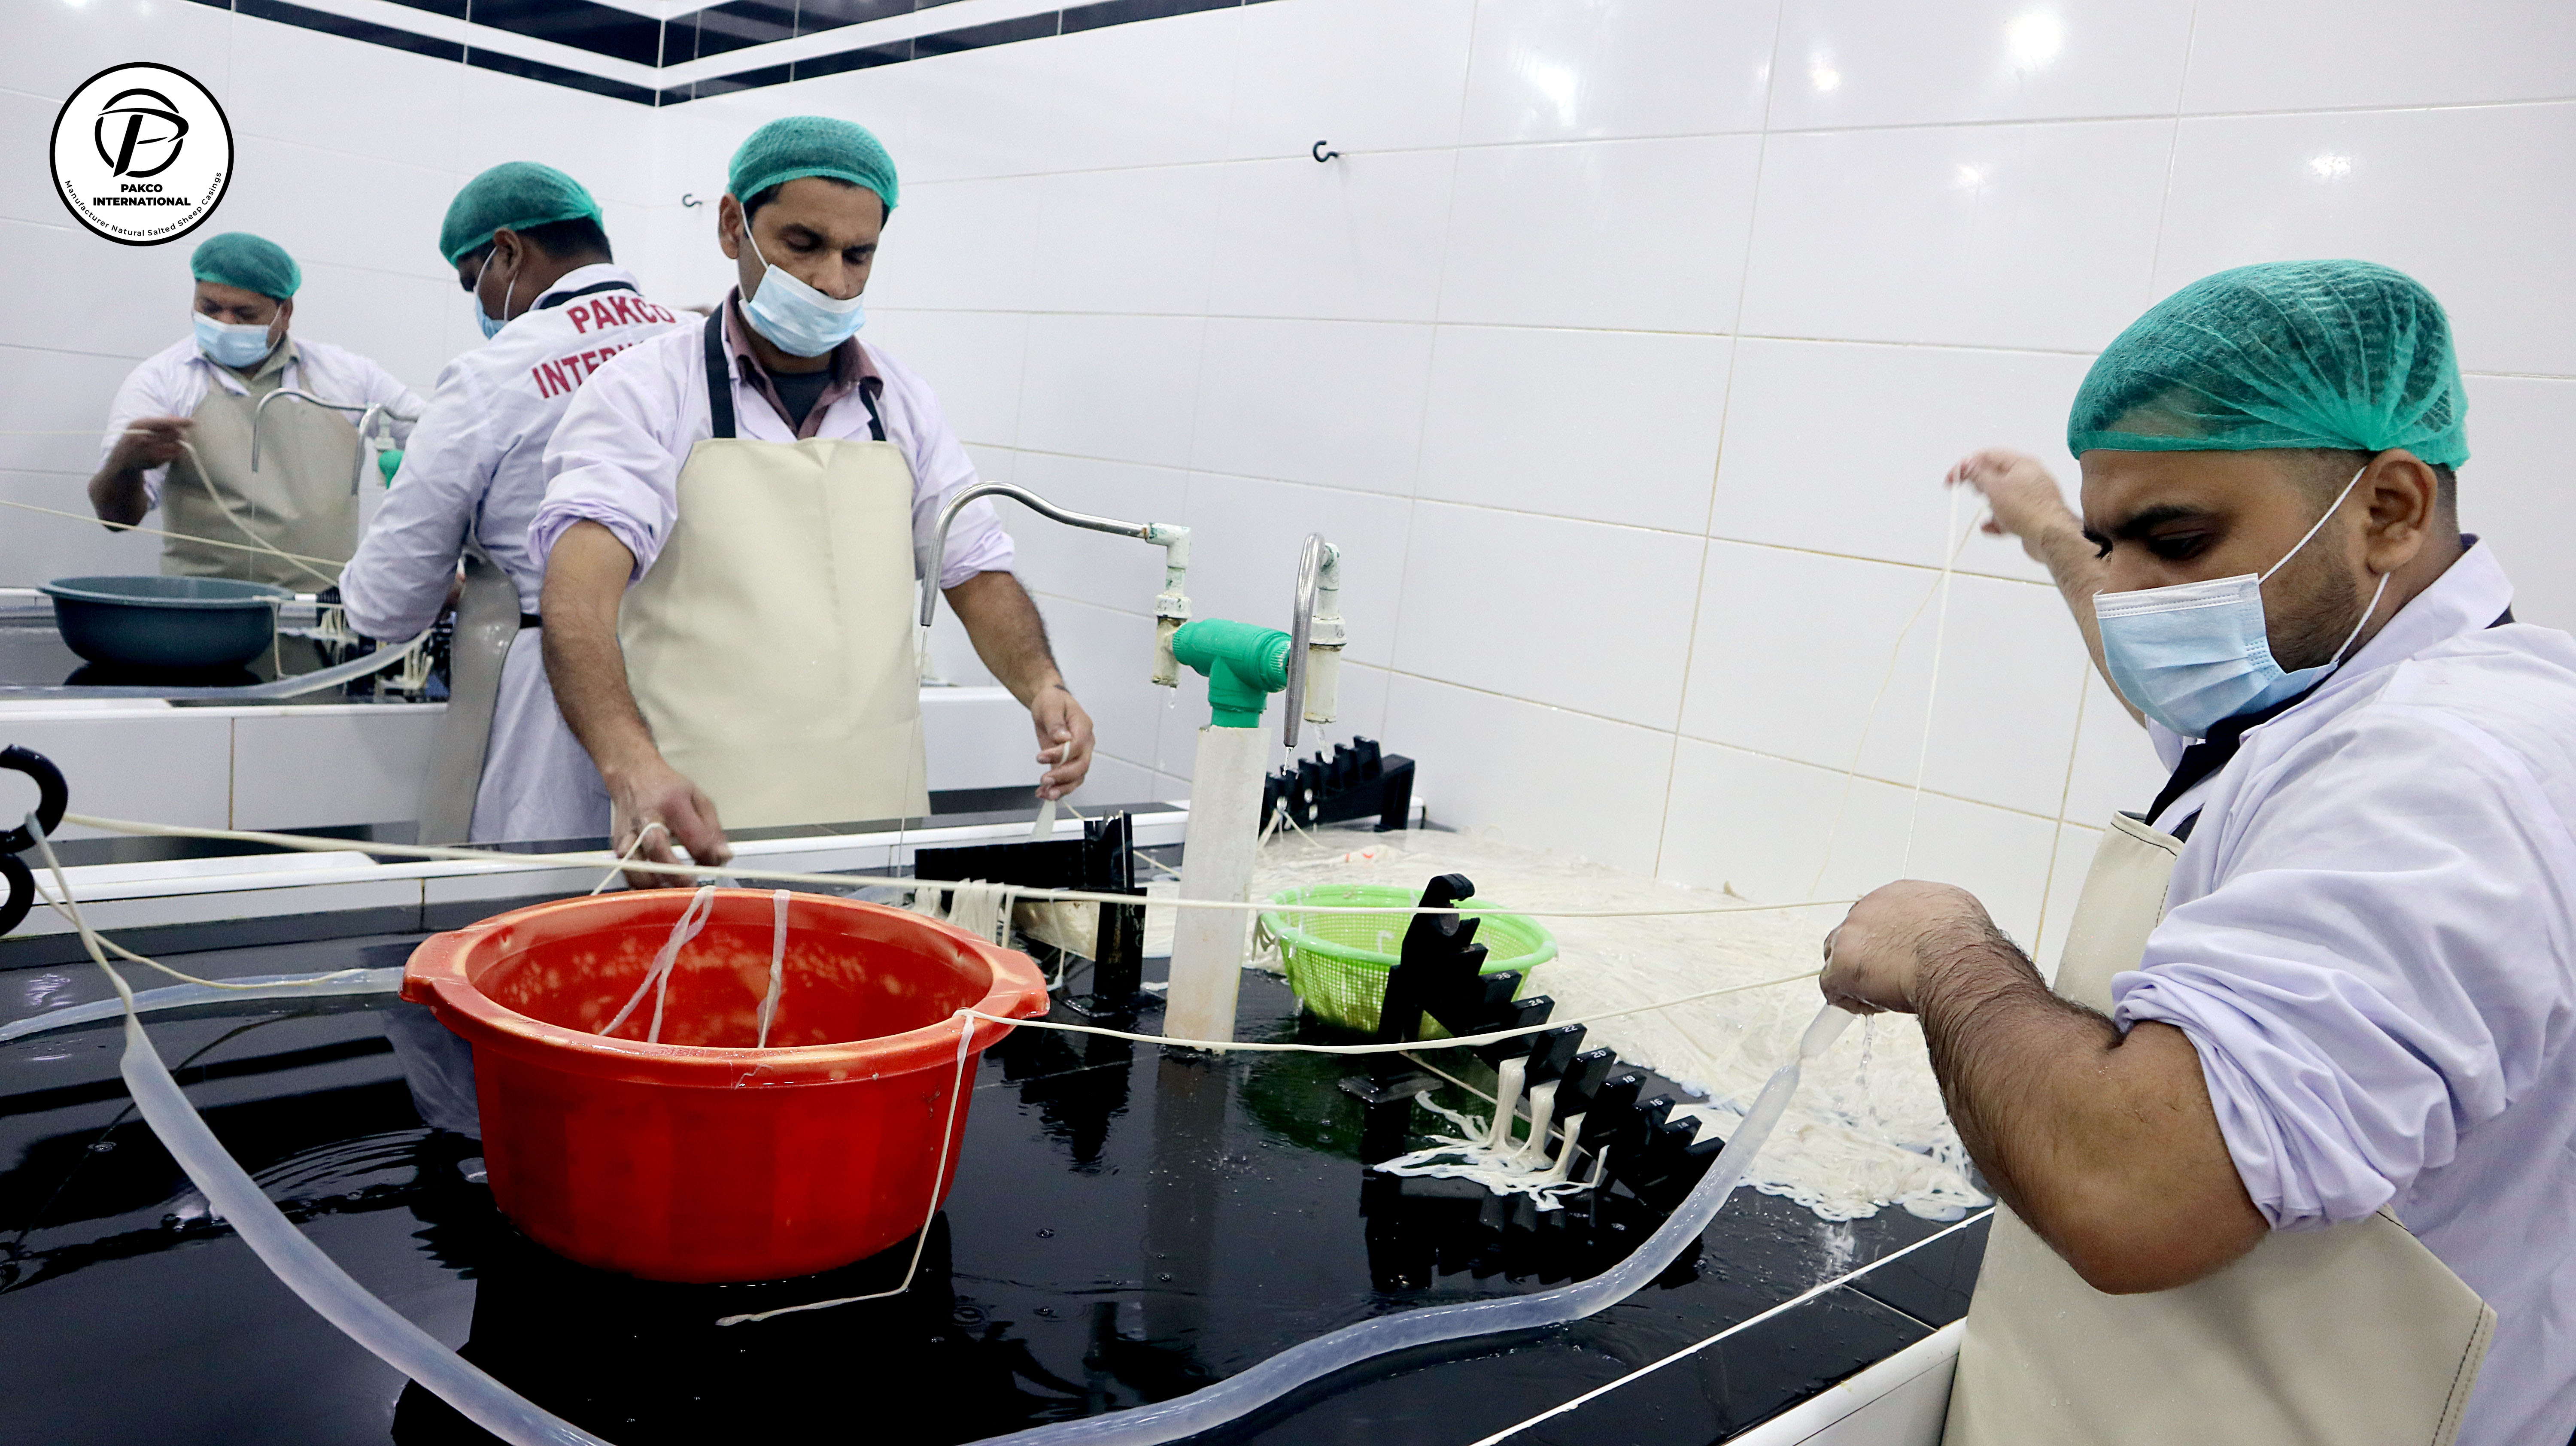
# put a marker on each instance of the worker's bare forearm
(2105, 1144)
(2075, 565)
(585, 584)
(117, 495)
(1008, 634)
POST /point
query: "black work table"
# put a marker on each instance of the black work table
(1127, 1224)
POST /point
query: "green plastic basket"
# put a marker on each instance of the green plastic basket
(1338, 963)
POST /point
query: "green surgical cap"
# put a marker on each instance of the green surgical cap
(2340, 354)
(811, 145)
(513, 195)
(253, 263)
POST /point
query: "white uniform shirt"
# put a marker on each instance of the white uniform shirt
(476, 463)
(172, 382)
(616, 459)
(2371, 941)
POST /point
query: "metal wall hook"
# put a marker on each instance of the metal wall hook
(690, 198)
(1320, 154)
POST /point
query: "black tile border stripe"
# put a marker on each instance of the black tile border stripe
(614, 33)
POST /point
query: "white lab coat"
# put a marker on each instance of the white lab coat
(2371, 941)
(476, 468)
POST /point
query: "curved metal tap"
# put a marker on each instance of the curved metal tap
(367, 415)
(1171, 606)
(1315, 626)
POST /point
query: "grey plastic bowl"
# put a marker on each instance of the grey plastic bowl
(165, 622)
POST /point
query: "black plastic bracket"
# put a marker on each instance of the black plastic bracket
(52, 796)
(1359, 779)
(1102, 861)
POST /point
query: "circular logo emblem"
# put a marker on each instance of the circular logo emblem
(142, 154)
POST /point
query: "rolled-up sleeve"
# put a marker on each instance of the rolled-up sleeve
(398, 580)
(613, 459)
(2381, 969)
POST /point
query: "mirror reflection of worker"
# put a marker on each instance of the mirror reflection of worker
(733, 527)
(205, 391)
(530, 253)
(2289, 1154)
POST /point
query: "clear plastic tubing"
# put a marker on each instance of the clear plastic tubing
(338, 984)
(312, 1275)
(1250, 1390)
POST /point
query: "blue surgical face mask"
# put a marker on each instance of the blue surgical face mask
(796, 318)
(232, 346)
(2193, 655)
(490, 324)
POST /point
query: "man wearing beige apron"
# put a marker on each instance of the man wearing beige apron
(293, 519)
(2289, 1154)
(735, 516)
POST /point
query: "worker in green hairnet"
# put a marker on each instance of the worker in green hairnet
(179, 432)
(2288, 1152)
(554, 306)
(735, 519)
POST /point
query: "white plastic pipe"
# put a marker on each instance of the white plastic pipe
(1224, 834)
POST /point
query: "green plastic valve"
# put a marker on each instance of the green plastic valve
(389, 462)
(1244, 665)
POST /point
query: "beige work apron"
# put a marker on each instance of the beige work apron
(487, 622)
(300, 500)
(2350, 1336)
(770, 646)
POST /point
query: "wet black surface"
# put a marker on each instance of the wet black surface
(1126, 1226)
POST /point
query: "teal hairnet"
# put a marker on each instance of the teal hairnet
(2341, 354)
(513, 195)
(811, 145)
(253, 263)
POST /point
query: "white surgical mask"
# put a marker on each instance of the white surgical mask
(232, 346)
(490, 324)
(796, 318)
(2195, 654)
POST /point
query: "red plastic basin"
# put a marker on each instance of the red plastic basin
(701, 1158)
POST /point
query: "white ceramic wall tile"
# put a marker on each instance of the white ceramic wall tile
(36, 549)
(1644, 235)
(151, 284)
(2116, 768)
(1244, 541)
(980, 113)
(311, 88)
(299, 196)
(1840, 447)
(26, 171)
(399, 322)
(1127, 241)
(1157, 94)
(1365, 75)
(1999, 235)
(1869, 63)
(590, 137)
(1538, 776)
(1799, 655)
(1611, 426)
(1358, 238)
(1572, 614)
(1111, 386)
(2514, 491)
(960, 244)
(54, 45)
(972, 360)
(2359, 183)
(1547, 71)
(1116, 781)
(57, 391)
(1762, 826)
(1097, 568)
(377, 759)
(2269, 55)
(1338, 403)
